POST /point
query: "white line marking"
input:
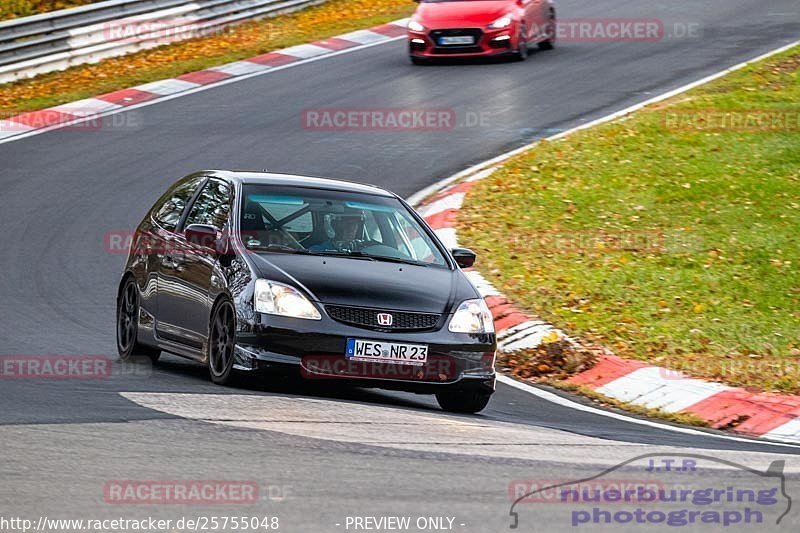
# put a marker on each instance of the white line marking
(8, 128)
(448, 237)
(788, 432)
(88, 107)
(480, 283)
(239, 68)
(651, 387)
(519, 328)
(305, 51)
(451, 201)
(564, 402)
(167, 87)
(366, 37)
(530, 337)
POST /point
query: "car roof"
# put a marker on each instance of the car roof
(294, 180)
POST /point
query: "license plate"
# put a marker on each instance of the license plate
(459, 39)
(387, 352)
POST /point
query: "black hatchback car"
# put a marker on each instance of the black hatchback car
(247, 271)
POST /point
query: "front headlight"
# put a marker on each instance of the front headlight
(278, 299)
(472, 316)
(502, 22)
(415, 26)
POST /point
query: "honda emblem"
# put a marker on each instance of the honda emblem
(385, 319)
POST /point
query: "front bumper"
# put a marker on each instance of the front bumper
(488, 43)
(316, 348)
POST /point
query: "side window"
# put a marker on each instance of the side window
(411, 237)
(212, 205)
(169, 212)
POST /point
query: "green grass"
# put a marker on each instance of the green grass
(677, 247)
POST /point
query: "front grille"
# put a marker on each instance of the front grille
(457, 50)
(476, 33)
(368, 318)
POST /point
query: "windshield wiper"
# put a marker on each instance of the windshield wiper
(280, 248)
(385, 258)
(334, 253)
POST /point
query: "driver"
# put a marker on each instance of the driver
(348, 233)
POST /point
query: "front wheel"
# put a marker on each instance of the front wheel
(418, 60)
(221, 340)
(550, 42)
(463, 401)
(522, 45)
(128, 345)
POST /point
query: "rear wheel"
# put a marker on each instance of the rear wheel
(221, 341)
(463, 401)
(128, 345)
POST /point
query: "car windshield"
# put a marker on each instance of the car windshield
(276, 219)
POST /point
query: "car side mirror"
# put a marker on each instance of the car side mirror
(202, 235)
(464, 257)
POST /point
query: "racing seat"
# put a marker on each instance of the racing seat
(254, 227)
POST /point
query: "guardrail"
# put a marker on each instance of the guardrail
(55, 41)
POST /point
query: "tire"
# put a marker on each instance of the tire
(418, 60)
(521, 54)
(463, 401)
(220, 345)
(550, 42)
(128, 345)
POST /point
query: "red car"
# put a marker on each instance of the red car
(467, 28)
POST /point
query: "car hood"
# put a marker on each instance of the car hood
(471, 14)
(364, 283)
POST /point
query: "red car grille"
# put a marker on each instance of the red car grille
(475, 33)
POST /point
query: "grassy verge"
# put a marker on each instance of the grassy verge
(669, 236)
(10, 9)
(240, 42)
